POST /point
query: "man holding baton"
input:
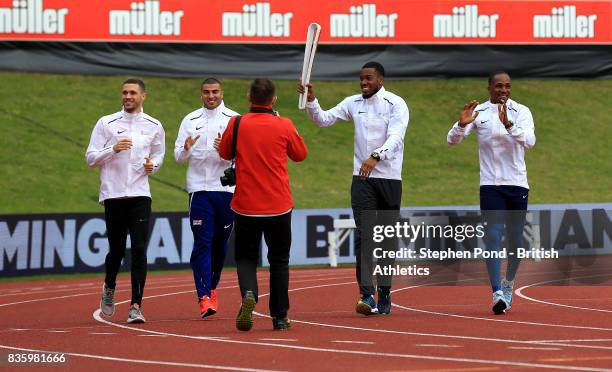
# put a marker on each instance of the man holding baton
(381, 120)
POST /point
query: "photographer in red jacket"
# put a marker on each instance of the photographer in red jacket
(262, 202)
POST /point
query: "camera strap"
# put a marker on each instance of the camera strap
(235, 138)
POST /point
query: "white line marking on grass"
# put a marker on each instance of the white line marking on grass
(354, 342)
(519, 292)
(138, 361)
(533, 348)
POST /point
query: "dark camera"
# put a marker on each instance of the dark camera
(229, 177)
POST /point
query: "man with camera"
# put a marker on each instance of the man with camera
(262, 203)
(210, 215)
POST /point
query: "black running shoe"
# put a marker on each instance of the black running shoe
(244, 320)
(283, 324)
(384, 301)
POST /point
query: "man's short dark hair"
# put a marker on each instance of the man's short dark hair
(262, 91)
(140, 83)
(211, 80)
(376, 66)
(495, 73)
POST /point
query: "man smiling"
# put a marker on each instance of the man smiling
(209, 201)
(381, 120)
(127, 147)
(505, 129)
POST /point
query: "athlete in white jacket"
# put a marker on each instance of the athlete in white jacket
(209, 201)
(126, 146)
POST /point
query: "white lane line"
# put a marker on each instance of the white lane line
(483, 318)
(519, 292)
(97, 317)
(533, 348)
(19, 329)
(148, 288)
(140, 361)
(577, 359)
(79, 289)
(425, 334)
(279, 339)
(499, 320)
(354, 342)
(576, 340)
(57, 331)
(102, 333)
(438, 345)
(152, 335)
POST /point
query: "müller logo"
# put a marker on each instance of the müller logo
(465, 22)
(145, 18)
(29, 16)
(256, 20)
(362, 21)
(564, 23)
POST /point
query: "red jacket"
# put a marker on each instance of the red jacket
(264, 142)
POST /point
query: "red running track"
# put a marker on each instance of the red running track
(432, 327)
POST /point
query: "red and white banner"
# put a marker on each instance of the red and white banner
(286, 21)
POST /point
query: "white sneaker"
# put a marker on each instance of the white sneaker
(107, 302)
(135, 315)
(507, 287)
(499, 303)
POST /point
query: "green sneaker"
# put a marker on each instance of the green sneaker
(244, 320)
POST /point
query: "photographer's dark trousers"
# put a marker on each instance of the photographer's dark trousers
(123, 216)
(211, 218)
(276, 231)
(372, 194)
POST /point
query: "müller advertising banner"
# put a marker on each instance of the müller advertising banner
(285, 21)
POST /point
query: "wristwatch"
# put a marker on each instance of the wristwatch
(375, 156)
